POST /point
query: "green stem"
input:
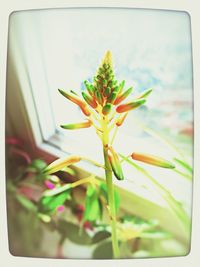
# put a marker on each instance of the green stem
(110, 188)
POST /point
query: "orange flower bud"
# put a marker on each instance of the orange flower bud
(61, 163)
(131, 105)
(152, 160)
(75, 99)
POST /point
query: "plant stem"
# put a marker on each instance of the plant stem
(110, 188)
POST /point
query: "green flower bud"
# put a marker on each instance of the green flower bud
(107, 108)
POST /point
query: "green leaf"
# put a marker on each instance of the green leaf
(73, 233)
(48, 204)
(92, 205)
(104, 192)
(100, 236)
(26, 203)
(103, 251)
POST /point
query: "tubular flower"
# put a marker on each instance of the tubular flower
(152, 160)
(130, 105)
(74, 126)
(115, 163)
(102, 94)
(61, 163)
(123, 96)
(90, 100)
(75, 99)
(89, 87)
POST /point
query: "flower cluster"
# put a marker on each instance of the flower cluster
(104, 95)
(102, 103)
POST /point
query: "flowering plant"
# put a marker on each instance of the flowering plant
(103, 105)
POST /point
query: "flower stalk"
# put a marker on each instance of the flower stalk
(109, 183)
(102, 104)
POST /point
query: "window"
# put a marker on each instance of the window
(53, 49)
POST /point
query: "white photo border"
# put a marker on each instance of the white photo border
(192, 7)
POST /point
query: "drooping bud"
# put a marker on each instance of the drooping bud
(131, 105)
(115, 163)
(121, 119)
(59, 164)
(123, 96)
(75, 99)
(107, 108)
(144, 94)
(152, 160)
(90, 100)
(75, 126)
